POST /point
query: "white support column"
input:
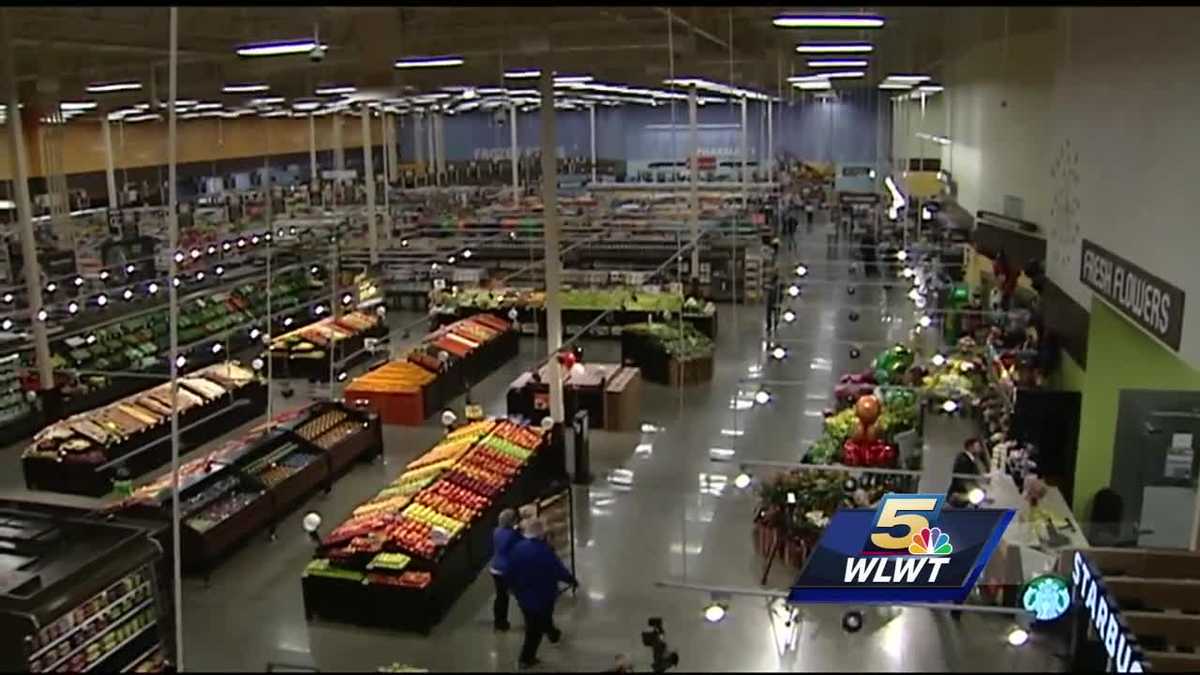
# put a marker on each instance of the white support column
(512, 133)
(441, 147)
(339, 148)
(770, 145)
(693, 183)
(173, 314)
(110, 171)
(745, 177)
(418, 137)
(554, 337)
(312, 147)
(388, 170)
(592, 116)
(369, 178)
(20, 169)
(430, 150)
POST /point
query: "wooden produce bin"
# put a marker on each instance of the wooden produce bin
(200, 549)
(696, 370)
(623, 400)
(395, 390)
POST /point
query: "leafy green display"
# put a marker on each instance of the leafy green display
(681, 343)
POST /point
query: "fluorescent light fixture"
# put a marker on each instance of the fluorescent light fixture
(912, 79)
(526, 74)
(842, 74)
(107, 87)
(277, 113)
(245, 87)
(895, 85)
(930, 88)
(827, 21)
(208, 105)
(814, 85)
(267, 100)
(306, 105)
(835, 48)
(573, 79)
(837, 63)
(76, 105)
(143, 118)
(336, 89)
(429, 62)
(280, 47)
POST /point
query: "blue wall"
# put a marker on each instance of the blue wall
(848, 130)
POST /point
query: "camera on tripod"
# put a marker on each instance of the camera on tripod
(664, 658)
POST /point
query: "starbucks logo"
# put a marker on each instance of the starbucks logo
(1064, 209)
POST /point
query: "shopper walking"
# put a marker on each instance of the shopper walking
(504, 538)
(535, 572)
(772, 301)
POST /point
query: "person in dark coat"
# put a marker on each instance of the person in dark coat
(534, 573)
(772, 302)
(504, 538)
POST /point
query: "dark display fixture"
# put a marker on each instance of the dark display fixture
(85, 453)
(250, 484)
(78, 593)
(306, 352)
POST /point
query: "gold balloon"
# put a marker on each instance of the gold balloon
(867, 409)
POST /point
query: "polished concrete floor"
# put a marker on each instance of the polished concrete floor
(660, 510)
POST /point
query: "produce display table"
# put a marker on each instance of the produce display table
(648, 353)
(70, 455)
(611, 394)
(306, 352)
(339, 591)
(401, 394)
(251, 483)
(575, 319)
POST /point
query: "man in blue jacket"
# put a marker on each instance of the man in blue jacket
(534, 572)
(504, 538)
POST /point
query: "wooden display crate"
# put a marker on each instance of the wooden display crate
(691, 371)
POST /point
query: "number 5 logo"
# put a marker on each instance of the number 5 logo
(914, 513)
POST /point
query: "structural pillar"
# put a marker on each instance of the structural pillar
(693, 181)
(440, 130)
(745, 160)
(392, 151)
(431, 150)
(339, 148)
(554, 338)
(312, 148)
(770, 145)
(20, 169)
(369, 179)
(512, 133)
(418, 150)
(110, 172)
(592, 116)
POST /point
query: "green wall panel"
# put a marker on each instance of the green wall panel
(1120, 356)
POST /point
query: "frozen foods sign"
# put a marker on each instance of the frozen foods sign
(1150, 302)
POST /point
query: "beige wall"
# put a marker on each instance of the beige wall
(200, 140)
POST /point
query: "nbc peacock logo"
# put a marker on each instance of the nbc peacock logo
(930, 541)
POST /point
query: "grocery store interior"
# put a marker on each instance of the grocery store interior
(297, 303)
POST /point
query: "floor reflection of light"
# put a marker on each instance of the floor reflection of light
(648, 428)
(720, 453)
(733, 432)
(692, 549)
(809, 412)
(820, 364)
(739, 403)
(596, 596)
(620, 477)
(644, 448)
(892, 639)
(713, 483)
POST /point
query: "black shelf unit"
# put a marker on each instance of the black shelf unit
(78, 593)
(268, 502)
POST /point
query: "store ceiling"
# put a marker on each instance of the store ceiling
(65, 47)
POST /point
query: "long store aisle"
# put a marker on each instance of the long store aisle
(659, 509)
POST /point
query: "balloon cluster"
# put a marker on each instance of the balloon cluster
(864, 447)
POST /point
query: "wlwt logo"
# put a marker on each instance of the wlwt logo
(908, 549)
